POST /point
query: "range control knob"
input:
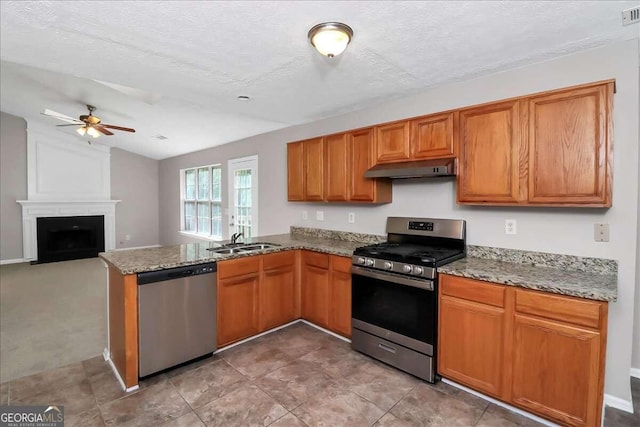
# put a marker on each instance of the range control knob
(388, 265)
(417, 271)
(406, 269)
(360, 260)
(369, 262)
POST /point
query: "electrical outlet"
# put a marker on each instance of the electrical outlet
(127, 237)
(320, 215)
(351, 217)
(305, 216)
(510, 226)
(601, 232)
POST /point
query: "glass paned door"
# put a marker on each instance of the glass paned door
(244, 196)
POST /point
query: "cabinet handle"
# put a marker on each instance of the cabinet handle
(386, 348)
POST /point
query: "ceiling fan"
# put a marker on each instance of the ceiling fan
(89, 124)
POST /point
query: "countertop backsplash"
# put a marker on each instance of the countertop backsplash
(543, 259)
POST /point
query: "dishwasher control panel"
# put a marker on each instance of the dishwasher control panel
(176, 273)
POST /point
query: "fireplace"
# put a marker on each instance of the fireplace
(69, 237)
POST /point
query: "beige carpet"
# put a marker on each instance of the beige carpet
(51, 315)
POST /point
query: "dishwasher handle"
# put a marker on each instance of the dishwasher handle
(176, 273)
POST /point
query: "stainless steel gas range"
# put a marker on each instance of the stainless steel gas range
(394, 292)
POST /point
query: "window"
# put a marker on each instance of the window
(202, 201)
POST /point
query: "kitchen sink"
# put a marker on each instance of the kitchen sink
(258, 246)
(234, 248)
(226, 251)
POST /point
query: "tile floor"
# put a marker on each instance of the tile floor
(296, 376)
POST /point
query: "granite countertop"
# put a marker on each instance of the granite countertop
(151, 259)
(592, 278)
(596, 283)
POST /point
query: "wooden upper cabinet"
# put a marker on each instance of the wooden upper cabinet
(295, 171)
(392, 142)
(569, 147)
(432, 136)
(490, 149)
(337, 176)
(361, 154)
(314, 169)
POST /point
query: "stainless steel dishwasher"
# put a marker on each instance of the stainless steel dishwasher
(176, 316)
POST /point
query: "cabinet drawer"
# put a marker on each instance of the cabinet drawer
(279, 259)
(341, 263)
(238, 267)
(317, 259)
(472, 290)
(566, 309)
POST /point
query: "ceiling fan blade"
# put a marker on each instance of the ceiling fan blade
(73, 124)
(117, 127)
(101, 129)
(60, 116)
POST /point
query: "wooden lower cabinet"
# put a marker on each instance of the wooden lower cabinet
(340, 295)
(472, 344)
(237, 292)
(542, 352)
(326, 291)
(278, 290)
(315, 288)
(556, 370)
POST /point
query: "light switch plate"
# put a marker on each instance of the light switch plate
(351, 217)
(320, 215)
(305, 215)
(601, 232)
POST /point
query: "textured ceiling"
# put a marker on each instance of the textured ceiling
(175, 68)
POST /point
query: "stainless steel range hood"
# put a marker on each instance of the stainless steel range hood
(417, 169)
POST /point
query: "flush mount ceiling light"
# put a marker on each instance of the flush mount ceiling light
(330, 38)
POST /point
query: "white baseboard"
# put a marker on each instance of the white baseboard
(105, 354)
(499, 403)
(616, 402)
(135, 247)
(13, 261)
(326, 331)
(635, 372)
(255, 336)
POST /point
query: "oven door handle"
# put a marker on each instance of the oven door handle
(400, 280)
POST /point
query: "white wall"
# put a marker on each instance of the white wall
(13, 184)
(565, 231)
(134, 180)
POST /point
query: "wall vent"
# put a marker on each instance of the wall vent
(631, 16)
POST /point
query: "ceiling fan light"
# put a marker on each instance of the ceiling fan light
(91, 131)
(82, 130)
(330, 38)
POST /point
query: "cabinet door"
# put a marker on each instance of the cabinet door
(340, 298)
(569, 147)
(315, 295)
(556, 370)
(392, 143)
(295, 171)
(337, 168)
(432, 136)
(361, 153)
(471, 344)
(277, 297)
(314, 169)
(489, 160)
(237, 308)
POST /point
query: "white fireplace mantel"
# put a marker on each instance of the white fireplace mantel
(33, 209)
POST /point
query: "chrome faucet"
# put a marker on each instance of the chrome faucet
(235, 237)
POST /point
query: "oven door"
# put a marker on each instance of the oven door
(398, 308)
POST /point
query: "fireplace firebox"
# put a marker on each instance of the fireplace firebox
(69, 237)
